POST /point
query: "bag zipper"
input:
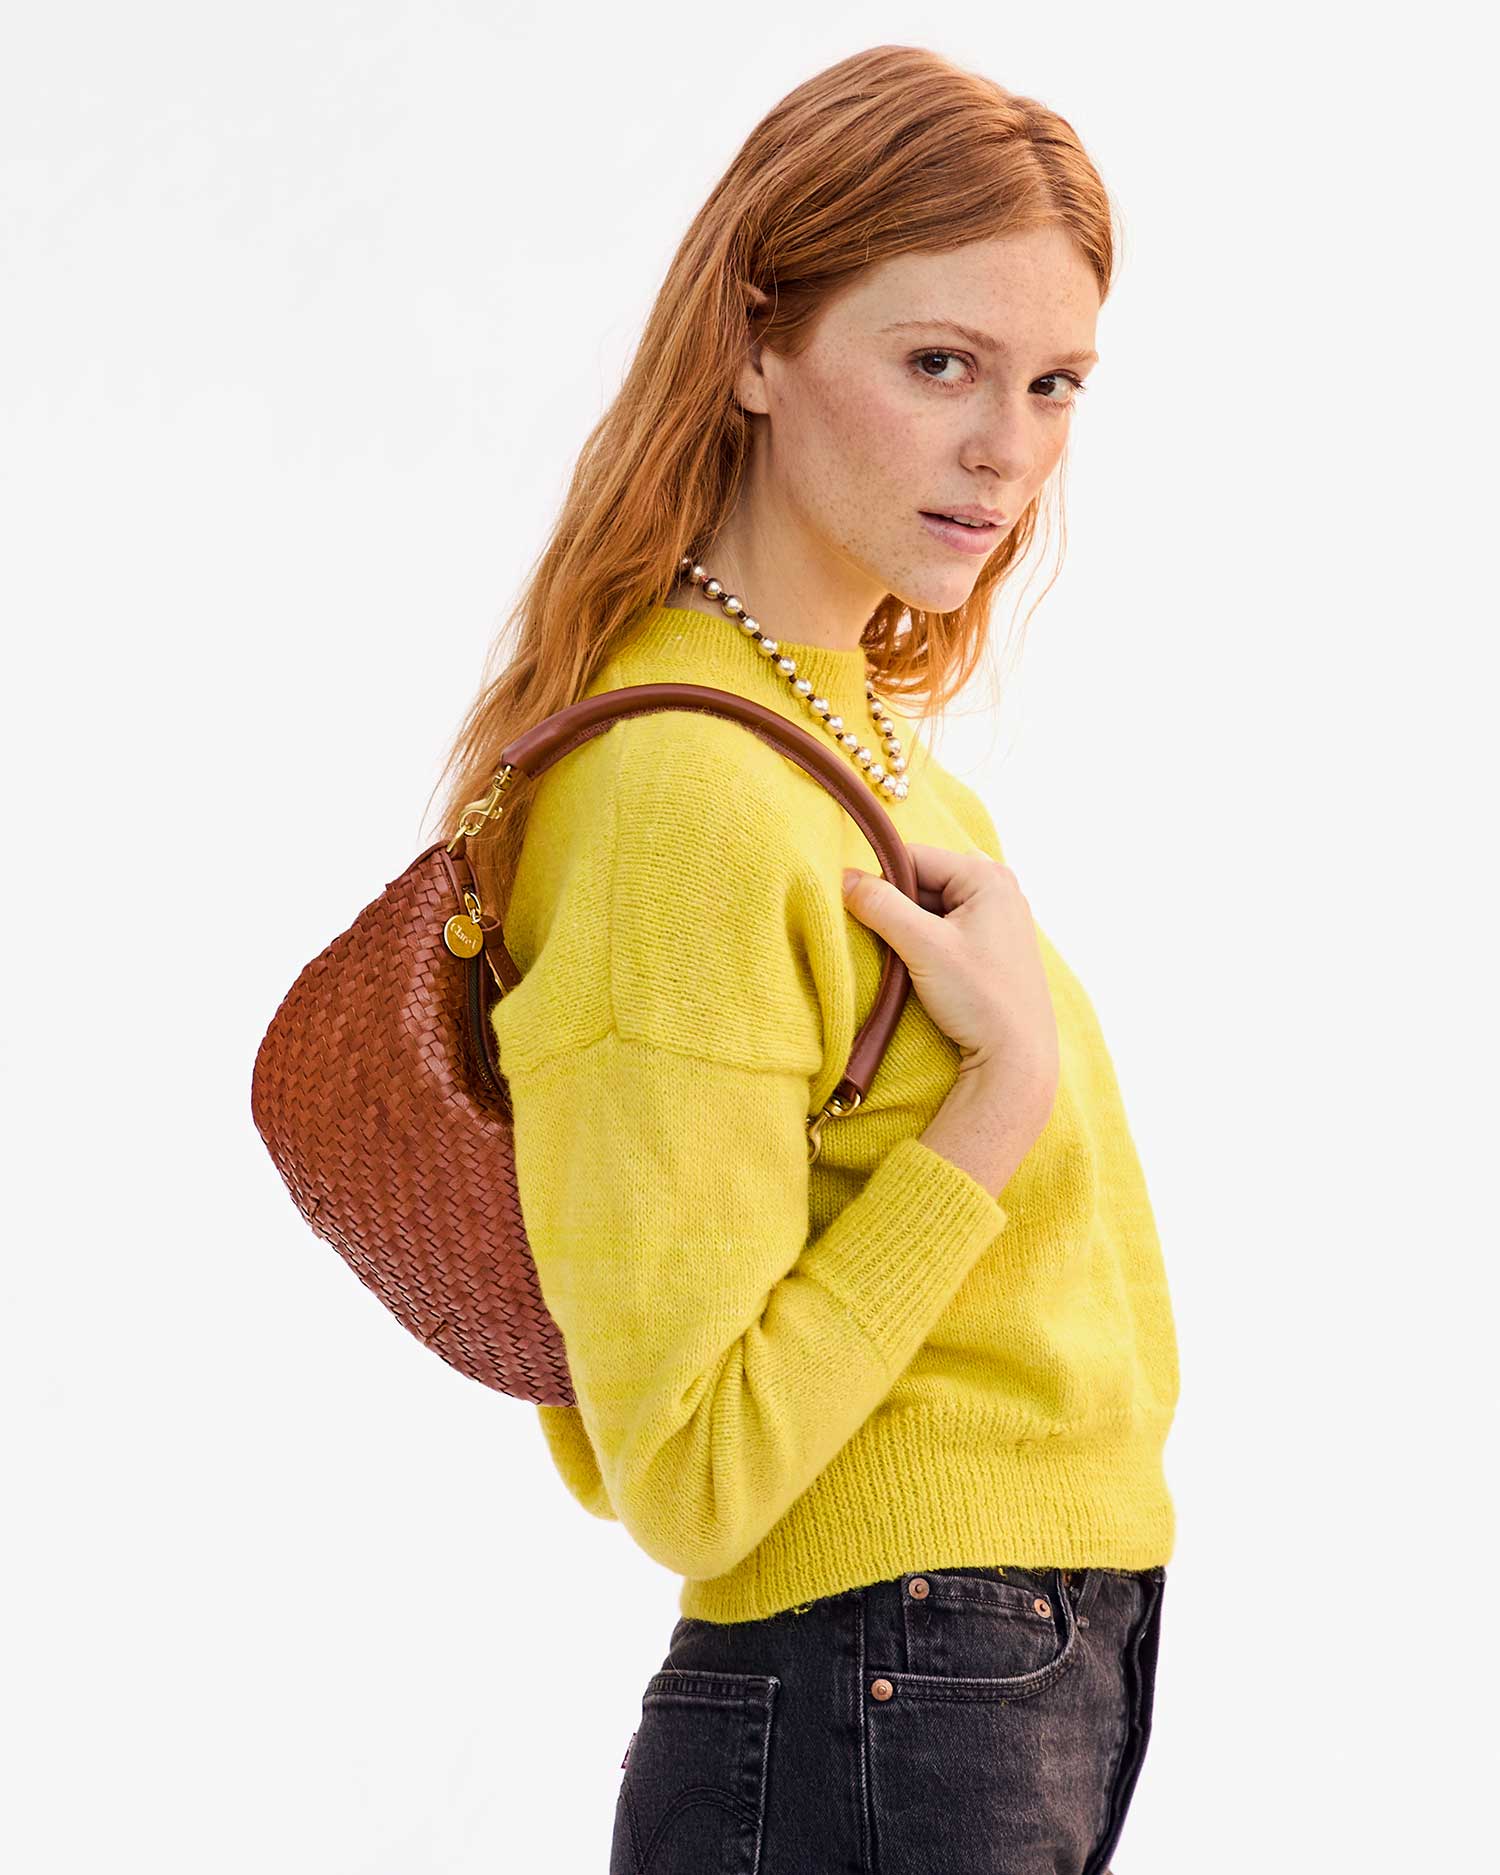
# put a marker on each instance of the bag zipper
(478, 1027)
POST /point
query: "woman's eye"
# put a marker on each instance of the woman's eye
(1075, 386)
(921, 360)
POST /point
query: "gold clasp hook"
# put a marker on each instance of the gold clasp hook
(832, 1108)
(473, 817)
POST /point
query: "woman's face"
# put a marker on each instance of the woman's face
(892, 413)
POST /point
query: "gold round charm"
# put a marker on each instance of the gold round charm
(463, 936)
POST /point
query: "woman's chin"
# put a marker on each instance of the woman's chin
(936, 595)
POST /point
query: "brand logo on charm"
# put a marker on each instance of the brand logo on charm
(463, 936)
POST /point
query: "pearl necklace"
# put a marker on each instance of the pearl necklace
(889, 779)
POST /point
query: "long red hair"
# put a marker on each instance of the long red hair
(893, 150)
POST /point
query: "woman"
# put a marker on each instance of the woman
(895, 1411)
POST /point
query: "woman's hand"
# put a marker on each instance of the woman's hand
(970, 944)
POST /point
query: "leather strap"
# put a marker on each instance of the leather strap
(535, 750)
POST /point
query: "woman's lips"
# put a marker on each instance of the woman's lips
(965, 539)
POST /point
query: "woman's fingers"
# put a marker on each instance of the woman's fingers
(935, 868)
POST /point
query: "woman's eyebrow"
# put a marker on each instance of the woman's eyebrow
(982, 339)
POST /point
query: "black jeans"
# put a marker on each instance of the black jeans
(984, 1721)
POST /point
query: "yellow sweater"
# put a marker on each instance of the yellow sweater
(792, 1379)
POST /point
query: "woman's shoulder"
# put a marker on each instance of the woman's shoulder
(683, 783)
(663, 893)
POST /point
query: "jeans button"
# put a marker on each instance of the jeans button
(918, 1587)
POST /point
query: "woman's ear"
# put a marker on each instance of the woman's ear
(749, 383)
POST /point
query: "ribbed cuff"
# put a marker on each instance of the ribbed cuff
(900, 1249)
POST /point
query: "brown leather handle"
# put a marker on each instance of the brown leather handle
(536, 749)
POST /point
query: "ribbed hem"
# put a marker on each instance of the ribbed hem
(930, 1489)
(895, 1275)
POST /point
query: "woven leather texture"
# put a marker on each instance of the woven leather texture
(378, 1095)
(372, 1105)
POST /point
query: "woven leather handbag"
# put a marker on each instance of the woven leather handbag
(379, 1095)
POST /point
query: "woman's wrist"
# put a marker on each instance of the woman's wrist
(989, 1122)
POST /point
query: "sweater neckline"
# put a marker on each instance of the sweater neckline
(719, 653)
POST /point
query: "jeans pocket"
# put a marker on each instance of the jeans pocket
(970, 1634)
(693, 1798)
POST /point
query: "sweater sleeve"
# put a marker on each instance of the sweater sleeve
(719, 1357)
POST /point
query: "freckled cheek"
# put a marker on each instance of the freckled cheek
(882, 445)
(853, 413)
(863, 457)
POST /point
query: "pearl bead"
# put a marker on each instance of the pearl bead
(889, 778)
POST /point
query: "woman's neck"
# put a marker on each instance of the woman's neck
(781, 619)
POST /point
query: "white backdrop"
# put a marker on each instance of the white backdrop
(306, 310)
